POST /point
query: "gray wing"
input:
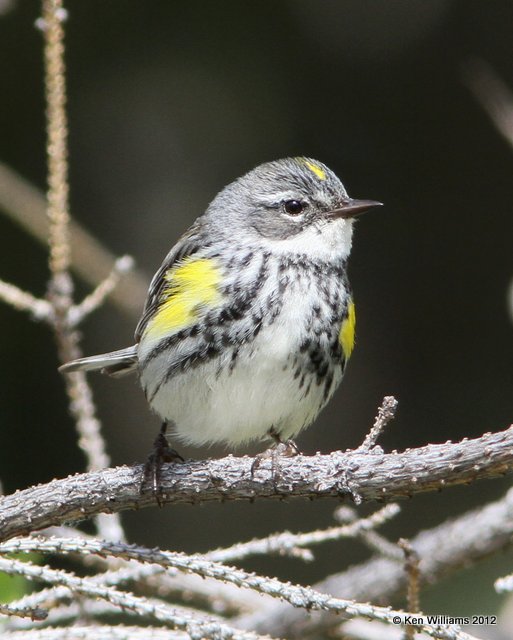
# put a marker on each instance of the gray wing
(188, 245)
(118, 363)
(115, 363)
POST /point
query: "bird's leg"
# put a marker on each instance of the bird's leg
(287, 448)
(161, 453)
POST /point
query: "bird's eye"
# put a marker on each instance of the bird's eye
(293, 207)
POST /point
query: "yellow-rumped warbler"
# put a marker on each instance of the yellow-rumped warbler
(249, 321)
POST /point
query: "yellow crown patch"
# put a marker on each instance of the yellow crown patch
(316, 169)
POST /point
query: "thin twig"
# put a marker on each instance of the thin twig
(492, 93)
(96, 298)
(72, 610)
(220, 598)
(24, 301)
(197, 625)
(386, 413)
(287, 543)
(372, 539)
(57, 136)
(411, 566)
(25, 205)
(60, 288)
(297, 596)
(35, 613)
(502, 585)
(96, 632)
(457, 543)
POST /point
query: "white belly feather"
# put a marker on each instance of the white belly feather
(211, 403)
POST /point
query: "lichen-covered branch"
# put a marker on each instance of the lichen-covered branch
(100, 632)
(298, 596)
(361, 476)
(457, 543)
(195, 624)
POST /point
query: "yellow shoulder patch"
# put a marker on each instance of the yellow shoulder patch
(315, 168)
(347, 331)
(193, 287)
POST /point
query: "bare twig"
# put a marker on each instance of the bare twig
(411, 566)
(220, 598)
(492, 93)
(374, 540)
(297, 596)
(386, 413)
(496, 98)
(60, 288)
(33, 613)
(24, 301)
(96, 298)
(504, 584)
(72, 610)
(197, 625)
(96, 632)
(446, 548)
(57, 152)
(293, 543)
(26, 206)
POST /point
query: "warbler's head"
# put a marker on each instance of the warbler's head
(295, 205)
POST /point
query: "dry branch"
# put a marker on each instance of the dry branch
(195, 624)
(97, 632)
(338, 474)
(25, 205)
(457, 543)
(298, 596)
(93, 632)
(60, 286)
(34, 614)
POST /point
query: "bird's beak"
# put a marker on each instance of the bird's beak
(353, 208)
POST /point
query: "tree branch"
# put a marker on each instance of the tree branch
(60, 286)
(304, 598)
(339, 474)
(443, 549)
(25, 205)
(194, 623)
(93, 632)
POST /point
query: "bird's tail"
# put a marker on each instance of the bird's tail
(115, 363)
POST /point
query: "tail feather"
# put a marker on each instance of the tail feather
(115, 363)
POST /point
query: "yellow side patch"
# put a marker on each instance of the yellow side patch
(347, 330)
(193, 287)
(315, 168)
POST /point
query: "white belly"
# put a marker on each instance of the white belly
(210, 404)
(218, 400)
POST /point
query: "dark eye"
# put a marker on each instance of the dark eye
(293, 207)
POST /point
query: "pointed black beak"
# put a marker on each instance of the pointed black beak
(353, 208)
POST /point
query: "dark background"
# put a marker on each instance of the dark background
(168, 102)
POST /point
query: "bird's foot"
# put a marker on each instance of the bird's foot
(284, 448)
(160, 454)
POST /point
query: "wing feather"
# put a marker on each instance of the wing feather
(187, 246)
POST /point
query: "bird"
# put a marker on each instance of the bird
(250, 321)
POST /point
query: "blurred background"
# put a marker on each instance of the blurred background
(168, 102)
